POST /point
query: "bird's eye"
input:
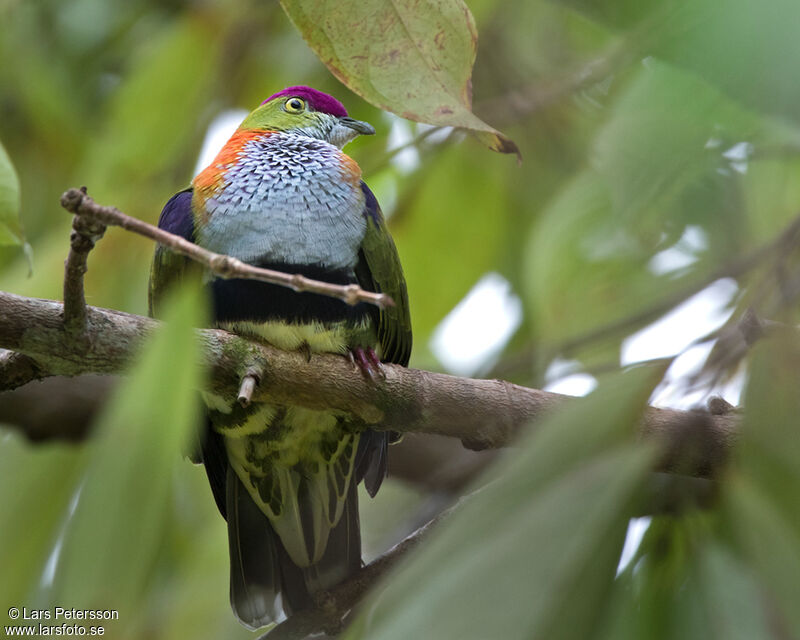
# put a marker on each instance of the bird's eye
(294, 105)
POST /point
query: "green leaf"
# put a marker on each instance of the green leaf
(409, 57)
(114, 536)
(768, 541)
(771, 189)
(460, 200)
(38, 482)
(655, 147)
(716, 41)
(685, 584)
(539, 543)
(10, 228)
(761, 503)
(579, 259)
(657, 166)
(745, 48)
(730, 597)
(154, 114)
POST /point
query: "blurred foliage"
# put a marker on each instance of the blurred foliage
(10, 232)
(466, 580)
(128, 471)
(636, 121)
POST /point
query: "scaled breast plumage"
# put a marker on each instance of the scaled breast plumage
(281, 197)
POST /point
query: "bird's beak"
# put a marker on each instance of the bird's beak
(364, 128)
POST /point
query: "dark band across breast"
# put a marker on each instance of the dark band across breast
(248, 300)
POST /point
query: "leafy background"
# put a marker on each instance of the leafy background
(642, 125)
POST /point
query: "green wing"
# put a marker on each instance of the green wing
(379, 270)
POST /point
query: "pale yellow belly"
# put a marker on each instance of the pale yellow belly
(316, 336)
(281, 453)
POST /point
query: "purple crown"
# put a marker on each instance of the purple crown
(316, 99)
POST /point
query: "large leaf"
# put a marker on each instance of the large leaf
(746, 48)
(657, 167)
(685, 585)
(539, 543)
(665, 137)
(771, 190)
(762, 499)
(409, 57)
(10, 229)
(582, 270)
(462, 199)
(152, 122)
(730, 597)
(114, 535)
(155, 112)
(37, 484)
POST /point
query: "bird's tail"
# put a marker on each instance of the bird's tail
(265, 583)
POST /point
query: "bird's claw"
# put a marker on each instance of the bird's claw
(369, 363)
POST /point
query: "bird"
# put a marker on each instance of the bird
(281, 194)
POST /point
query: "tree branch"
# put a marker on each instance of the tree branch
(56, 407)
(774, 250)
(482, 413)
(76, 201)
(85, 234)
(17, 369)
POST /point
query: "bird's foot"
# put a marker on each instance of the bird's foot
(369, 363)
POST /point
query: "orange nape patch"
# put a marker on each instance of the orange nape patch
(352, 172)
(209, 179)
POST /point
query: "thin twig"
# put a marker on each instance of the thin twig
(85, 234)
(246, 388)
(223, 266)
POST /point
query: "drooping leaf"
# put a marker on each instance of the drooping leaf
(538, 543)
(409, 57)
(10, 228)
(113, 538)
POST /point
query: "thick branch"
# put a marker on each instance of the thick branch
(56, 407)
(482, 413)
(76, 201)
